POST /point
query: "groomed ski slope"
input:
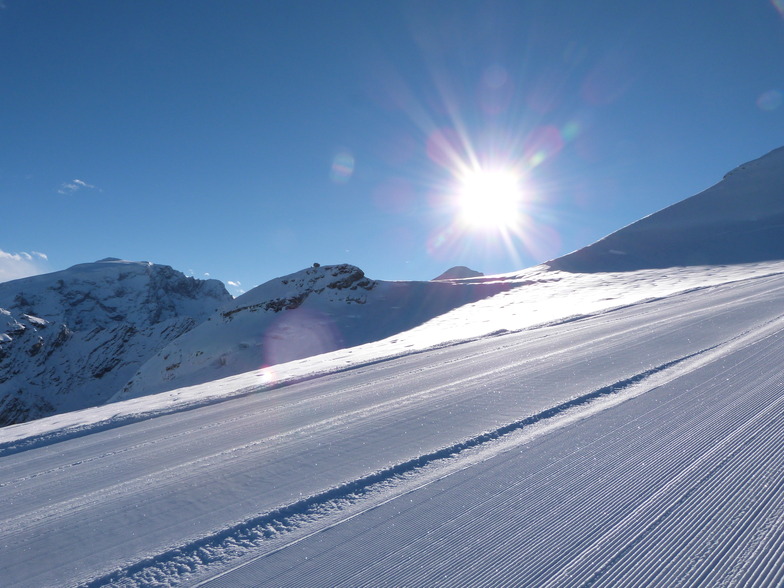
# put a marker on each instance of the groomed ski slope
(683, 485)
(638, 445)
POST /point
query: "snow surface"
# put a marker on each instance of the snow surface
(608, 429)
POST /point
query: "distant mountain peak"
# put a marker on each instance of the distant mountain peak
(459, 272)
(290, 291)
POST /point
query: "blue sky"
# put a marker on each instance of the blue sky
(249, 139)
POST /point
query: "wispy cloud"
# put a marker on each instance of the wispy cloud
(67, 188)
(21, 265)
(236, 287)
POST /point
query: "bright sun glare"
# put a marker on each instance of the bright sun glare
(490, 199)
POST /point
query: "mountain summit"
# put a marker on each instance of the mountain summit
(738, 220)
(70, 339)
(459, 272)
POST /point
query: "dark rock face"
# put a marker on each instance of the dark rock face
(17, 409)
(71, 339)
(314, 280)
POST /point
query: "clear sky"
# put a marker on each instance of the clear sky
(249, 139)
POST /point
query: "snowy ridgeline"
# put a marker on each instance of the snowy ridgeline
(307, 313)
(739, 220)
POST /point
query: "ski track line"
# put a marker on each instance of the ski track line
(279, 520)
(77, 431)
(769, 551)
(49, 438)
(342, 418)
(712, 553)
(579, 515)
(515, 439)
(166, 477)
(617, 540)
(271, 397)
(704, 563)
(534, 545)
(172, 477)
(200, 428)
(580, 507)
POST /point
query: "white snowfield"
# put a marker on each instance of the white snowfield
(576, 430)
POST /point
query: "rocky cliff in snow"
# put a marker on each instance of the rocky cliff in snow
(72, 338)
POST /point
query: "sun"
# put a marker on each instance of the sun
(489, 199)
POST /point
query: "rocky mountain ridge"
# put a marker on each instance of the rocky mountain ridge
(70, 339)
(313, 311)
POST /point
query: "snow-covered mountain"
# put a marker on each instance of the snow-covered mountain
(738, 220)
(72, 338)
(313, 311)
(113, 328)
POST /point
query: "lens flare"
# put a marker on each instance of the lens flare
(771, 99)
(266, 376)
(342, 167)
(445, 148)
(542, 144)
(570, 131)
(495, 92)
(480, 183)
(299, 333)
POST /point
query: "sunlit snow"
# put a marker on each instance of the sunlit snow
(564, 429)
